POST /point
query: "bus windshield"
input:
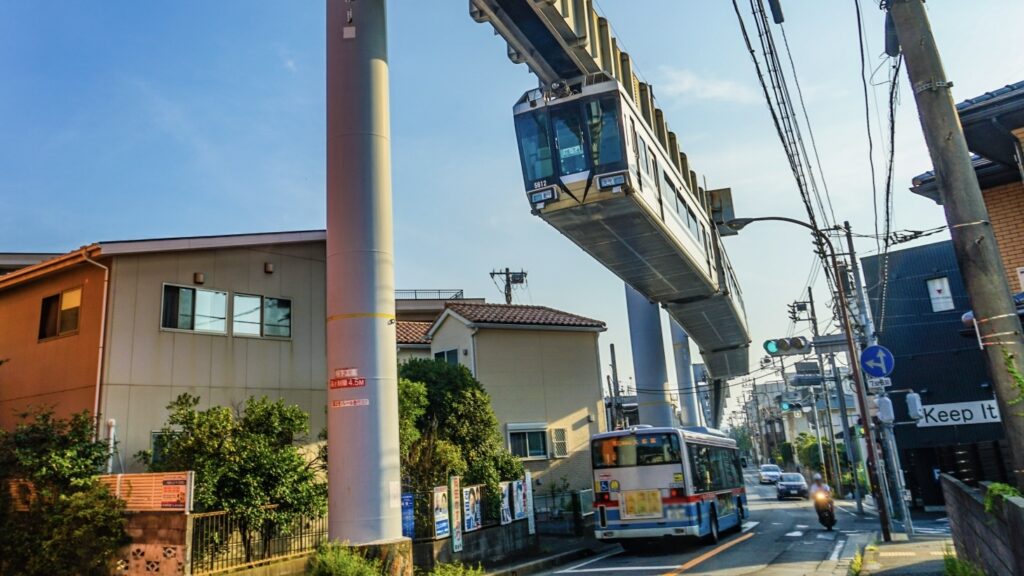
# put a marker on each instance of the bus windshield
(636, 450)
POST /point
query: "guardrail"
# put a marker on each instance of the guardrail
(222, 541)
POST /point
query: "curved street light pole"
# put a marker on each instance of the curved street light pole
(862, 398)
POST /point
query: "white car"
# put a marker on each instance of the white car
(769, 474)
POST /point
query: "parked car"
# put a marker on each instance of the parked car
(769, 474)
(792, 485)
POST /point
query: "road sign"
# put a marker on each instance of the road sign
(877, 361)
(879, 383)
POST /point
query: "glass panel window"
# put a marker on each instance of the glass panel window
(635, 450)
(941, 297)
(568, 128)
(605, 137)
(534, 146)
(247, 315)
(448, 357)
(194, 309)
(49, 317)
(528, 443)
(59, 313)
(70, 304)
(277, 317)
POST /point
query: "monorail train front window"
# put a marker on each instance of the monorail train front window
(605, 137)
(568, 128)
(535, 145)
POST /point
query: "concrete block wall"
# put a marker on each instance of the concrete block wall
(991, 541)
(158, 544)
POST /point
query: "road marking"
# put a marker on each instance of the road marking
(776, 523)
(834, 557)
(829, 536)
(591, 561)
(747, 526)
(709, 554)
(617, 569)
(802, 526)
(795, 534)
(897, 554)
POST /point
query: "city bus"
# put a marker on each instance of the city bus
(652, 483)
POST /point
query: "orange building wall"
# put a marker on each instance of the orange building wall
(1006, 212)
(59, 372)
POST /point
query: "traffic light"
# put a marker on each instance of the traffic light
(787, 346)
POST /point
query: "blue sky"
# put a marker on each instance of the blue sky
(130, 120)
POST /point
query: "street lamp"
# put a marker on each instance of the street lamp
(738, 224)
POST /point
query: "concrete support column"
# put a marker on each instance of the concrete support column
(364, 486)
(684, 376)
(652, 386)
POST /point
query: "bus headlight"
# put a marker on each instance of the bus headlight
(542, 196)
(611, 181)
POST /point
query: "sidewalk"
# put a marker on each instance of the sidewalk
(921, 555)
(554, 551)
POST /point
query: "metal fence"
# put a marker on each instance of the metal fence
(428, 295)
(563, 513)
(222, 541)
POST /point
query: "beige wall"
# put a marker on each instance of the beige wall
(452, 334)
(545, 376)
(405, 354)
(146, 366)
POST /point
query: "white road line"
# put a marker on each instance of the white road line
(619, 569)
(847, 511)
(795, 534)
(591, 561)
(835, 551)
(802, 526)
(831, 536)
(749, 526)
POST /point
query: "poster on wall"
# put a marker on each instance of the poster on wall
(532, 526)
(441, 526)
(455, 512)
(408, 518)
(471, 508)
(506, 502)
(519, 500)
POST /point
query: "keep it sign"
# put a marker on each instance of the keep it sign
(960, 414)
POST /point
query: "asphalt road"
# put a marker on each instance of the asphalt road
(782, 538)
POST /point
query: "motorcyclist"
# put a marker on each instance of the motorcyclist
(819, 485)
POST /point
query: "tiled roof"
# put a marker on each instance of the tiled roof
(521, 315)
(412, 332)
(1008, 91)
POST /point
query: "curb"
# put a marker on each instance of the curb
(863, 552)
(534, 566)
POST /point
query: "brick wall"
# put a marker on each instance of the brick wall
(1006, 212)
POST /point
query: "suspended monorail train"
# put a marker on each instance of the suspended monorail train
(596, 171)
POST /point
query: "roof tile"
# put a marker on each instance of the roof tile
(521, 315)
(412, 332)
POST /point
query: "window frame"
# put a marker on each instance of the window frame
(527, 428)
(236, 334)
(227, 310)
(60, 301)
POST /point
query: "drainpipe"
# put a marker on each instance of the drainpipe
(103, 337)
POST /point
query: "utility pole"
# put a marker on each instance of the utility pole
(977, 254)
(817, 431)
(862, 302)
(852, 453)
(616, 398)
(837, 477)
(510, 278)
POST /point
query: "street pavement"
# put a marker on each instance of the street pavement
(779, 538)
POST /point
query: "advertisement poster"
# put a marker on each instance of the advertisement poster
(506, 502)
(174, 494)
(408, 518)
(471, 507)
(441, 526)
(455, 512)
(531, 523)
(518, 500)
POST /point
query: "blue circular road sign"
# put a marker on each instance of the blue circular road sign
(877, 361)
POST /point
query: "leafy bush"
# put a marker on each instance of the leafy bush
(65, 523)
(997, 491)
(456, 569)
(333, 559)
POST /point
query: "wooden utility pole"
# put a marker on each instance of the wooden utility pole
(510, 278)
(977, 254)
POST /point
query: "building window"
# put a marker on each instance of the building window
(941, 297)
(449, 356)
(528, 441)
(261, 316)
(59, 314)
(194, 310)
(559, 443)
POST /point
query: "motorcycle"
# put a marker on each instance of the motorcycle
(823, 506)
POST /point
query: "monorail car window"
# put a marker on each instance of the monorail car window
(535, 145)
(605, 140)
(568, 128)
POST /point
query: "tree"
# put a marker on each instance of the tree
(61, 520)
(742, 438)
(459, 431)
(246, 463)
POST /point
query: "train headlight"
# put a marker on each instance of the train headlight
(611, 181)
(542, 196)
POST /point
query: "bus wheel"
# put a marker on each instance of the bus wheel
(712, 537)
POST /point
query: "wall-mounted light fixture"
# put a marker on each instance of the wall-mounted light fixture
(268, 267)
(198, 277)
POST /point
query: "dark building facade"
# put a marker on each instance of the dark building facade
(924, 299)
